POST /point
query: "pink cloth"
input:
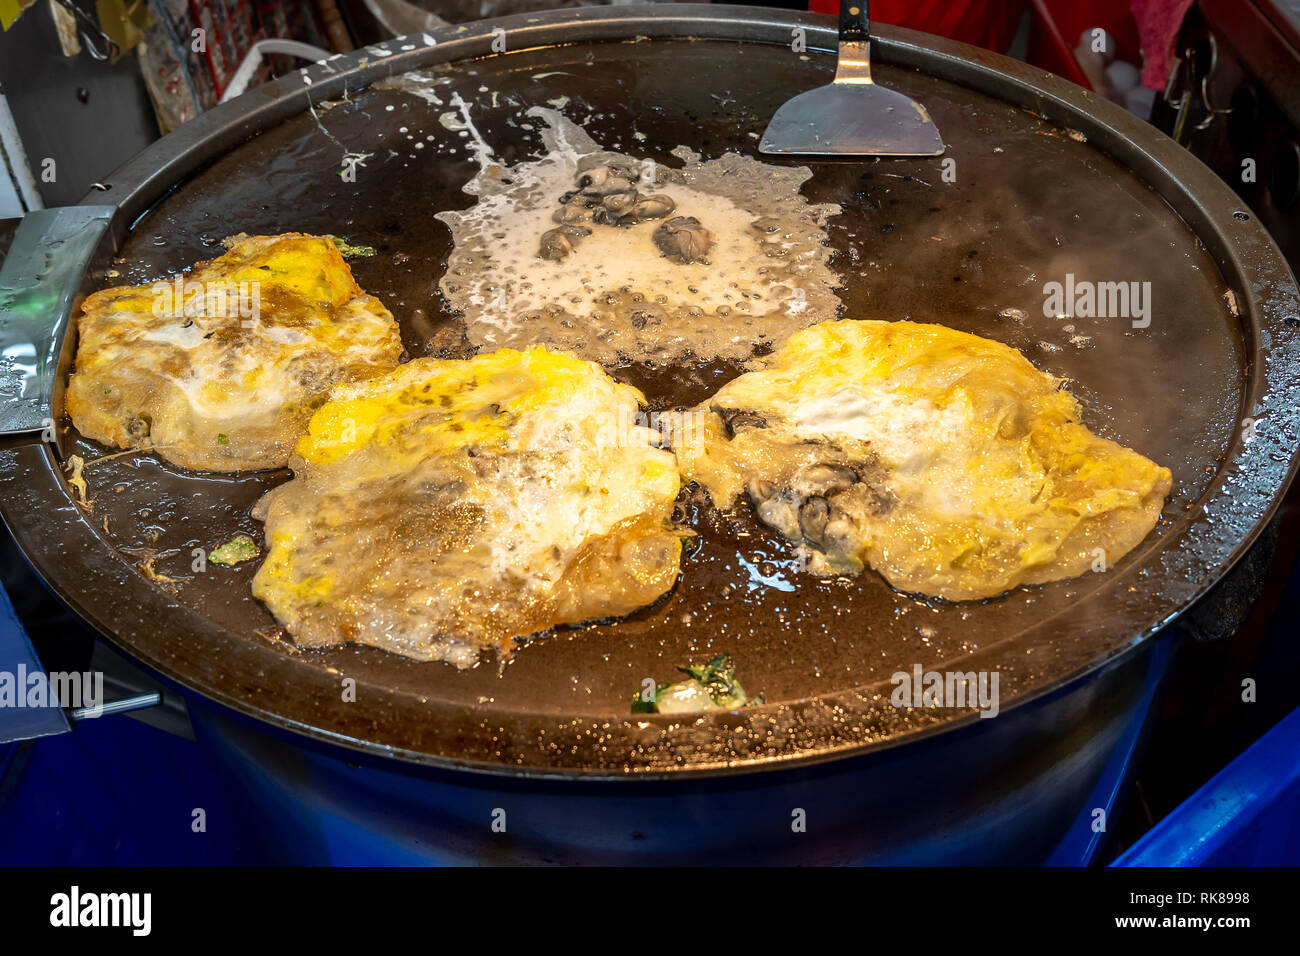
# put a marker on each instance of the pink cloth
(1158, 23)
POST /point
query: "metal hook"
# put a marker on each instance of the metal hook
(1210, 111)
(92, 35)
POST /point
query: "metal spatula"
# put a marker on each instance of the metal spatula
(852, 116)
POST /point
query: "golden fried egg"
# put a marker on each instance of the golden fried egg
(452, 506)
(943, 460)
(219, 369)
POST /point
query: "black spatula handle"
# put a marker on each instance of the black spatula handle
(854, 22)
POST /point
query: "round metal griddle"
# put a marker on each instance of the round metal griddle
(1049, 180)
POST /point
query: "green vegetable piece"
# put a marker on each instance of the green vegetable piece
(222, 439)
(352, 252)
(712, 686)
(718, 677)
(239, 548)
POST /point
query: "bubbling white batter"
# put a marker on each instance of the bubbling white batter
(616, 297)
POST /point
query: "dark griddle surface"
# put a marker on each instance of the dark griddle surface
(1029, 204)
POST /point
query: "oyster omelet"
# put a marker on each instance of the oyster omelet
(943, 460)
(220, 368)
(455, 505)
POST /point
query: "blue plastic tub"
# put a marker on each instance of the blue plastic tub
(1247, 815)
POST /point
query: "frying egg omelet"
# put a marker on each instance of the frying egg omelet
(943, 460)
(219, 369)
(452, 506)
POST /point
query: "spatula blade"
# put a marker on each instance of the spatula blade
(859, 119)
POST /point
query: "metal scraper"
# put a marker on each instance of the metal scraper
(852, 116)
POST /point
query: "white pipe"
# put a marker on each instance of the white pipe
(11, 145)
(253, 59)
